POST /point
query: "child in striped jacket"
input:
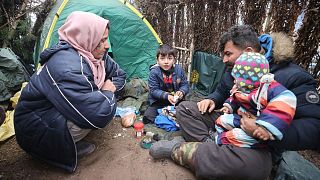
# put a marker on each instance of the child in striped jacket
(257, 95)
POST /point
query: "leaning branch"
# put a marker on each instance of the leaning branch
(19, 16)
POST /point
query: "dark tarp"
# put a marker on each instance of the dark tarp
(12, 74)
(207, 70)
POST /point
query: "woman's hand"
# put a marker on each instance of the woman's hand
(109, 86)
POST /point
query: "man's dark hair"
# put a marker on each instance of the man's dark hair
(242, 36)
(166, 50)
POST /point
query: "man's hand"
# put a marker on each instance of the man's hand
(108, 85)
(205, 104)
(248, 123)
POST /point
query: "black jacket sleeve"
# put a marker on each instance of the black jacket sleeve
(222, 91)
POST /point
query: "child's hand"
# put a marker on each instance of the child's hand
(180, 94)
(171, 99)
(225, 110)
(261, 133)
(248, 124)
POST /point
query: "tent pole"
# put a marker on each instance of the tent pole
(190, 60)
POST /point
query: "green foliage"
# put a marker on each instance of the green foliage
(19, 37)
(3, 35)
(16, 31)
(23, 41)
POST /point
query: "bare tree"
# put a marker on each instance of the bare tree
(308, 41)
(201, 22)
(16, 30)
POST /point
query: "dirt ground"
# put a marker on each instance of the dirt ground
(312, 156)
(118, 156)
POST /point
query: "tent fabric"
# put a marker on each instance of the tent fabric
(134, 42)
(12, 74)
(207, 70)
(135, 94)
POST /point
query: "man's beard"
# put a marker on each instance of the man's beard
(229, 64)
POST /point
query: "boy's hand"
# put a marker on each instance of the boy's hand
(171, 99)
(180, 94)
(261, 133)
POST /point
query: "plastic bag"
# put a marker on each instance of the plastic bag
(127, 114)
(7, 128)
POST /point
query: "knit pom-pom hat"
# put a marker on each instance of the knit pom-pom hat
(248, 70)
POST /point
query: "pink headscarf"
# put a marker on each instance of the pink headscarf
(84, 31)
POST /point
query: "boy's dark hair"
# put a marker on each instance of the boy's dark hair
(166, 50)
(242, 36)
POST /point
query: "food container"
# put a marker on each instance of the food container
(138, 129)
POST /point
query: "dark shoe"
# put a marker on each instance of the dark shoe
(84, 148)
(163, 148)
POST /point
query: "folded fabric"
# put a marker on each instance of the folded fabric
(166, 119)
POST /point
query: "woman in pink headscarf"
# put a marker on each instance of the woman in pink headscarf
(74, 92)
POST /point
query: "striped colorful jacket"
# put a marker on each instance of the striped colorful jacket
(278, 106)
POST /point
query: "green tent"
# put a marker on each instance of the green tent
(133, 41)
(12, 74)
